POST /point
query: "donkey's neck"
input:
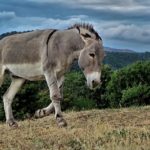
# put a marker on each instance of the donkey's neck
(79, 44)
(76, 54)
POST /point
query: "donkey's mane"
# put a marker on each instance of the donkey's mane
(86, 26)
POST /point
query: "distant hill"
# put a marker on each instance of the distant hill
(11, 33)
(120, 59)
(116, 58)
(109, 49)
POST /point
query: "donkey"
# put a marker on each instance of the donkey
(48, 54)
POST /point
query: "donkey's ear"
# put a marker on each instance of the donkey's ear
(86, 35)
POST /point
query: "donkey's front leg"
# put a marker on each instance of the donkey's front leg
(56, 97)
(50, 108)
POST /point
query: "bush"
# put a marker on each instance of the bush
(81, 103)
(136, 95)
(126, 78)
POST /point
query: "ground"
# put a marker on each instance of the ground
(112, 129)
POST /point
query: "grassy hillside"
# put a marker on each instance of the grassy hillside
(114, 129)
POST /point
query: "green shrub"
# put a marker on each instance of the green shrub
(136, 95)
(1, 112)
(81, 103)
(126, 78)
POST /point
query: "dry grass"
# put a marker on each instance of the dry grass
(113, 129)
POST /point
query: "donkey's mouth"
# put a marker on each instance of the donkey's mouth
(93, 80)
(93, 85)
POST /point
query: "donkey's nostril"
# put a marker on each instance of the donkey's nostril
(95, 83)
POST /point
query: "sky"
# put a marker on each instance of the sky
(122, 24)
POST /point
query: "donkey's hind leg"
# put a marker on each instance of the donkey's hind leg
(8, 99)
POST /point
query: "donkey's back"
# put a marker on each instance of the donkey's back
(21, 51)
(22, 48)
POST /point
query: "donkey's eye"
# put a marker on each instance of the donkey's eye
(92, 55)
(86, 35)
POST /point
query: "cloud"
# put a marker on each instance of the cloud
(127, 32)
(102, 3)
(108, 9)
(116, 21)
(122, 30)
(7, 15)
(119, 30)
(32, 23)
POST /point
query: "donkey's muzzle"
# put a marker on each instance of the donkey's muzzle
(93, 80)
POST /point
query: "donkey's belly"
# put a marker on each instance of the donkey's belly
(26, 71)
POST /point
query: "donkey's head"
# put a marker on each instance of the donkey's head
(91, 56)
(90, 60)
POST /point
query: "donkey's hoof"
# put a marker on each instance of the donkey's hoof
(61, 122)
(37, 114)
(12, 124)
(40, 113)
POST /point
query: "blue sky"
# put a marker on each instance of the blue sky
(121, 24)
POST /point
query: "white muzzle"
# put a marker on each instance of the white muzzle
(93, 79)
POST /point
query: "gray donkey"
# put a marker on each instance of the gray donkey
(48, 54)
